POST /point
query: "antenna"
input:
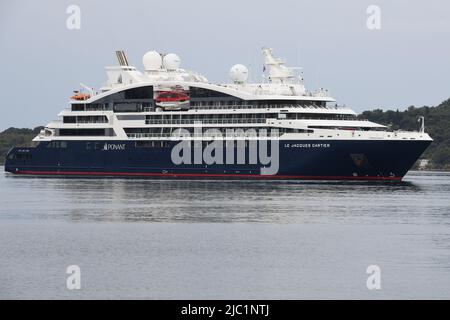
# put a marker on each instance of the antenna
(122, 57)
(278, 72)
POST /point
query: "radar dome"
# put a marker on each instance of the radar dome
(239, 73)
(171, 61)
(152, 61)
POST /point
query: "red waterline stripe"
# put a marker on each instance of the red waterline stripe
(212, 175)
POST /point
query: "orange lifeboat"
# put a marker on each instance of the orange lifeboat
(80, 96)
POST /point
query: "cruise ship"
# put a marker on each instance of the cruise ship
(168, 122)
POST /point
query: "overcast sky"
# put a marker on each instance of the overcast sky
(406, 62)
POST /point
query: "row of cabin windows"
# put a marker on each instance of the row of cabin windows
(152, 144)
(211, 116)
(85, 119)
(290, 116)
(128, 117)
(208, 104)
(122, 106)
(219, 103)
(57, 145)
(149, 106)
(196, 144)
(90, 107)
(140, 106)
(319, 116)
(132, 107)
(188, 129)
(82, 132)
(196, 92)
(348, 128)
(94, 145)
(21, 156)
(222, 130)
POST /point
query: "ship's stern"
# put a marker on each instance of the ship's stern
(18, 158)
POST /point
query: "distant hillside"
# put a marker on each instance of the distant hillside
(437, 124)
(15, 137)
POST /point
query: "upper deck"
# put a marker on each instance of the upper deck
(163, 74)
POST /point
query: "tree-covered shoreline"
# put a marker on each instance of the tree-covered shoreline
(16, 137)
(437, 124)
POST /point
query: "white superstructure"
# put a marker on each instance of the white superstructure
(153, 103)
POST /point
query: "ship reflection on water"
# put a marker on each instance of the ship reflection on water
(226, 201)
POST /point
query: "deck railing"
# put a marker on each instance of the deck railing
(208, 121)
(198, 135)
(252, 106)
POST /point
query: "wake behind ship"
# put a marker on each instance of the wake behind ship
(170, 122)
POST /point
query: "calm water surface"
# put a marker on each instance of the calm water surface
(179, 239)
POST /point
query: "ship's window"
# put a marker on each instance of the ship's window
(91, 119)
(196, 92)
(82, 132)
(139, 93)
(130, 117)
(97, 106)
(57, 144)
(70, 119)
(127, 107)
(23, 156)
(77, 107)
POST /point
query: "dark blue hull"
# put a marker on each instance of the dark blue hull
(326, 160)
